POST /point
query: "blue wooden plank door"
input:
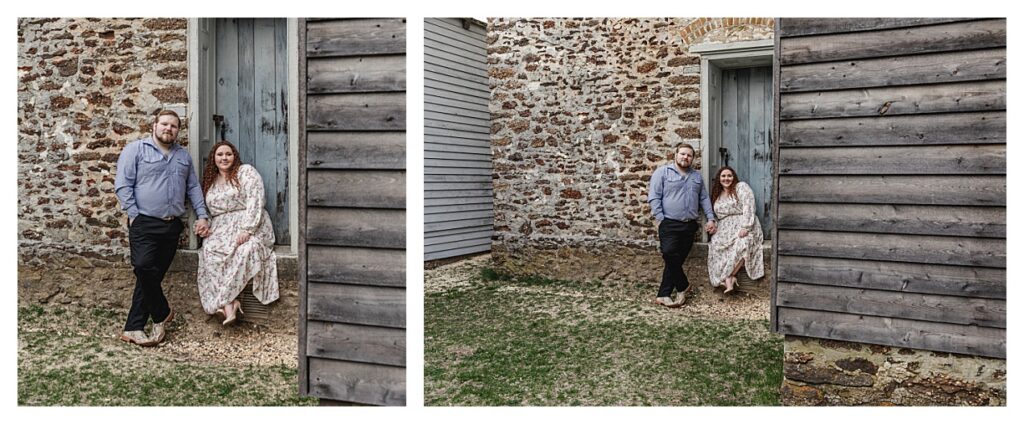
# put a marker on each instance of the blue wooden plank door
(746, 143)
(251, 93)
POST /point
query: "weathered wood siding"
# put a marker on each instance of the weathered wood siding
(352, 180)
(458, 204)
(891, 182)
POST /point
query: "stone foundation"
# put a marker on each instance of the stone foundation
(826, 372)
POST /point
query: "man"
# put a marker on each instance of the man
(675, 192)
(154, 175)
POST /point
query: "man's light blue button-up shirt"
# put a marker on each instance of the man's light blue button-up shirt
(153, 184)
(676, 195)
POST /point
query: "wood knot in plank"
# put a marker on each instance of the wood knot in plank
(885, 108)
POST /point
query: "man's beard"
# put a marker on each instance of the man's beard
(166, 138)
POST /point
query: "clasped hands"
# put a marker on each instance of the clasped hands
(710, 227)
(202, 228)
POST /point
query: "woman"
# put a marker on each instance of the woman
(737, 242)
(239, 245)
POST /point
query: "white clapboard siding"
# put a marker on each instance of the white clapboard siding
(459, 204)
(890, 184)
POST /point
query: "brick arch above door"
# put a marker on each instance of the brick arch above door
(701, 29)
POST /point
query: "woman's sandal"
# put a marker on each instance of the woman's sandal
(730, 284)
(236, 312)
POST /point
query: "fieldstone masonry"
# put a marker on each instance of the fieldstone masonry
(826, 372)
(582, 112)
(86, 87)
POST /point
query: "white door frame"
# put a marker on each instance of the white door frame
(200, 101)
(714, 57)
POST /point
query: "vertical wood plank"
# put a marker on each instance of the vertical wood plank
(742, 153)
(282, 231)
(302, 248)
(769, 162)
(729, 118)
(715, 114)
(756, 176)
(264, 108)
(207, 83)
(227, 77)
(773, 281)
(247, 123)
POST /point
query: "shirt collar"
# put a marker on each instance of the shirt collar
(150, 141)
(675, 168)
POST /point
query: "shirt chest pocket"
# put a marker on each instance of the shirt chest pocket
(674, 183)
(180, 167)
(155, 166)
(151, 166)
(694, 185)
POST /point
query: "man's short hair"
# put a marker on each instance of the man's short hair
(686, 145)
(166, 112)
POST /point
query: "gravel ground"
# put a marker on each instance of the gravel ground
(243, 344)
(243, 364)
(704, 303)
(188, 339)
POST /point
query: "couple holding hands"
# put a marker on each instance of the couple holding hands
(675, 194)
(154, 177)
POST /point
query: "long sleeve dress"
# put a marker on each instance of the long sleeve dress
(727, 247)
(226, 267)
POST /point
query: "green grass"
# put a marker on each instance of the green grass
(89, 366)
(536, 341)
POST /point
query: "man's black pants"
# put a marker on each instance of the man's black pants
(153, 244)
(676, 240)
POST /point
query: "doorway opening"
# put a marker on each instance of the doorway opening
(736, 103)
(241, 71)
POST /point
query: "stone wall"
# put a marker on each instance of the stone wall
(825, 372)
(582, 112)
(86, 87)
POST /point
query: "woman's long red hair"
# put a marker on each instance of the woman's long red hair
(716, 186)
(210, 172)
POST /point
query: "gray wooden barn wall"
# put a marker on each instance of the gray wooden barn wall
(352, 250)
(459, 203)
(891, 185)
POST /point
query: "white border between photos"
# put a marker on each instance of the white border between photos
(415, 12)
